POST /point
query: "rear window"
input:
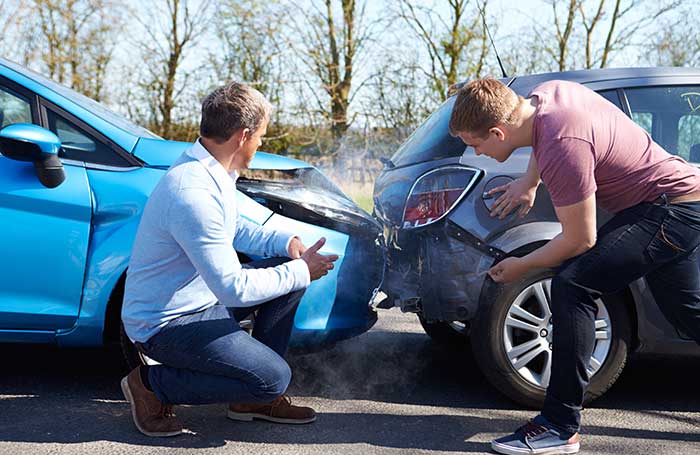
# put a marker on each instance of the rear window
(431, 140)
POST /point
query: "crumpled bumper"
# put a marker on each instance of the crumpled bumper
(438, 272)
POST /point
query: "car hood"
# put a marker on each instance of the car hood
(285, 185)
(160, 153)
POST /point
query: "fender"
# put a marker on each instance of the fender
(118, 209)
(526, 234)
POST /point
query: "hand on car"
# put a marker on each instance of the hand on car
(296, 248)
(509, 269)
(518, 193)
(319, 264)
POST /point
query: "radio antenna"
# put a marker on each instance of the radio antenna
(486, 27)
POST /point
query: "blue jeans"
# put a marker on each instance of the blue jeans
(657, 241)
(207, 358)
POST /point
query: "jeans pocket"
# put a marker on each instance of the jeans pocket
(672, 239)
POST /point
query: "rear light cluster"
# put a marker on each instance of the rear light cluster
(435, 193)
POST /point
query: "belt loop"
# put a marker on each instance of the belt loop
(665, 199)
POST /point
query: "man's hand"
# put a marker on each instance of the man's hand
(296, 248)
(519, 193)
(509, 269)
(319, 264)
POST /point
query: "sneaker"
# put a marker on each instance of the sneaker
(151, 417)
(537, 437)
(279, 411)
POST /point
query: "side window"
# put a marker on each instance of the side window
(14, 108)
(612, 96)
(671, 115)
(78, 144)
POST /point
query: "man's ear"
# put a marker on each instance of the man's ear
(498, 131)
(243, 135)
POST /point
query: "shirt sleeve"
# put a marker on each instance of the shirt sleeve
(196, 222)
(567, 168)
(252, 238)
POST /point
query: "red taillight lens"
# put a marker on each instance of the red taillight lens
(435, 193)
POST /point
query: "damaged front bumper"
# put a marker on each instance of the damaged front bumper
(438, 272)
(338, 306)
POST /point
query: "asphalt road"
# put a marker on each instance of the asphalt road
(389, 391)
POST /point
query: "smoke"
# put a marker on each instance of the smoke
(353, 161)
(381, 362)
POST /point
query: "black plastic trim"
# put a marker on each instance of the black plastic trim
(130, 160)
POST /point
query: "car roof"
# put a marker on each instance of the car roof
(603, 75)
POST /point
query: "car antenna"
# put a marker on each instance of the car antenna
(486, 27)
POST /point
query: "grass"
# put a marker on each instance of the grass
(360, 193)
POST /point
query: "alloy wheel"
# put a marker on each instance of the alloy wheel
(527, 334)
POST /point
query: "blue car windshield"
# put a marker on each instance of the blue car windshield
(83, 101)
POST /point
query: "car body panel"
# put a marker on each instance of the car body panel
(473, 239)
(312, 314)
(42, 283)
(118, 209)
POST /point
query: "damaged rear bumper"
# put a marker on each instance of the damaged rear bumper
(438, 272)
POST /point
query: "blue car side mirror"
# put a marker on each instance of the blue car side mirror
(27, 142)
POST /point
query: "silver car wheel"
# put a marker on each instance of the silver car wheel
(527, 334)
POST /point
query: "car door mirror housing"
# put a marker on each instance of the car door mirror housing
(32, 143)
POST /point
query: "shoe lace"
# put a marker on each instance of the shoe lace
(283, 401)
(532, 429)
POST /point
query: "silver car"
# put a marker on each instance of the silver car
(430, 199)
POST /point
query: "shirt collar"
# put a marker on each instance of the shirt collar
(222, 178)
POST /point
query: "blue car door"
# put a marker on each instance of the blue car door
(44, 236)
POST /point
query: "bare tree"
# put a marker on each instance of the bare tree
(75, 40)
(563, 28)
(607, 27)
(330, 49)
(250, 45)
(398, 98)
(456, 46)
(621, 35)
(677, 43)
(170, 29)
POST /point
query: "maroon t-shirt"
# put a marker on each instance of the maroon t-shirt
(583, 144)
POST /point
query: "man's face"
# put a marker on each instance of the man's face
(495, 145)
(251, 144)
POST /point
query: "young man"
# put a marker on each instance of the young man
(588, 153)
(186, 289)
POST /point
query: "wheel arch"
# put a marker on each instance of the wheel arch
(113, 311)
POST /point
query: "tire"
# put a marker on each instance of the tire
(452, 334)
(492, 340)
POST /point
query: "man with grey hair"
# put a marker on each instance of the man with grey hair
(186, 289)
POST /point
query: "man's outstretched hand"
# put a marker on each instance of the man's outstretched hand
(319, 264)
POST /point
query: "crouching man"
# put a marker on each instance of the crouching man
(186, 289)
(588, 153)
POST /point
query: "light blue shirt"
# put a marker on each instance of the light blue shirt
(183, 259)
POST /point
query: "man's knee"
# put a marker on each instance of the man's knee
(276, 381)
(567, 290)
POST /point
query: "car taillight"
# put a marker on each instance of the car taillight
(434, 194)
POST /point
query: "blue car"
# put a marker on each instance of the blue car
(74, 178)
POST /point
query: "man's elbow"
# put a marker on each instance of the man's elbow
(585, 244)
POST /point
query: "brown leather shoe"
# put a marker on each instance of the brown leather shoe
(151, 417)
(279, 411)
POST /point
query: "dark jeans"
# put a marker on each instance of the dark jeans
(207, 358)
(656, 241)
